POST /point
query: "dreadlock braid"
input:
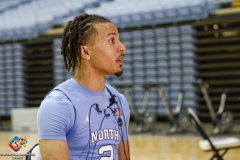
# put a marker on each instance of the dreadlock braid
(78, 32)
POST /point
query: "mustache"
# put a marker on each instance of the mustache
(121, 55)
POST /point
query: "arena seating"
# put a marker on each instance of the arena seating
(157, 54)
(23, 19)
(11, 77)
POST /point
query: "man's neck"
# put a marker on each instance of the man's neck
(90, 81)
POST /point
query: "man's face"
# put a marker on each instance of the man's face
(107, 50)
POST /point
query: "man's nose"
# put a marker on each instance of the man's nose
(122, 47)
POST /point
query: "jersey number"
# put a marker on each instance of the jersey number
(107, 148)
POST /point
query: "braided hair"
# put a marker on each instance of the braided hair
(79, 31)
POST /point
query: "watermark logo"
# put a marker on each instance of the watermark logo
(16, 143)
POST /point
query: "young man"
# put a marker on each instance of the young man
(84, 118)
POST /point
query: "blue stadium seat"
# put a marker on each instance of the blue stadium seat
(187, 38)
(136, 17)
(162, 63)
(197, 8)
(174, 39)
(189, 86)
(150, 55)
(148, 33)
(173, 30)
(183, 11)
(149, 41)
(138, 65)
(151, 72)
(128, 57)
(189, 62)
(125, 35)
(190, 94)
(175, 79)
(138, 80)
(138, 53)
(160, 32)
(126, 18)
(175, 55)
(188, 46)
(159, 15)
(189, 70)
(163, 74)
(148, 16)
(137, 34)
(137, 42)
(175, 70)
(175, 63)
(186, 29)
(115, 19)
(161, 48)
(188, 54)
(189, 102)
(174, 47)
(174, 86)
(171, 13)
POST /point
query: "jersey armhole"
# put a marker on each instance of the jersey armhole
(68, 96)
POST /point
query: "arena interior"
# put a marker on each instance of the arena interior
(180, 54)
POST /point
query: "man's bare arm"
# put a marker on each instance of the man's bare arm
(54, 150)
(124, 151)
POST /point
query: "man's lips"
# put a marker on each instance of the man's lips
(120, 60)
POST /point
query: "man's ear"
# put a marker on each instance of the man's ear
(84, 52)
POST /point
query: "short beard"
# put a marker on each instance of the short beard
(118, 74)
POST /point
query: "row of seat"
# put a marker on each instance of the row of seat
(22, 19)
(11, 77)
(26, 19)
(8, 4)
(145, 11)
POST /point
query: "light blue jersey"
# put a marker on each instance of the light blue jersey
(84, 119)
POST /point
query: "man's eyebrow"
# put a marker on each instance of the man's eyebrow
(111, 33)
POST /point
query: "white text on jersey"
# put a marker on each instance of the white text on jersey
(104, 134)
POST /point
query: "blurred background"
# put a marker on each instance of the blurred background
(180, 54)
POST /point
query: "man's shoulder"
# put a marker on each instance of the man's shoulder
(55, 95)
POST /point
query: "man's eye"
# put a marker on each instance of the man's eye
(112, 41)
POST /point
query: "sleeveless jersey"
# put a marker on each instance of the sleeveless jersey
(91, 125)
